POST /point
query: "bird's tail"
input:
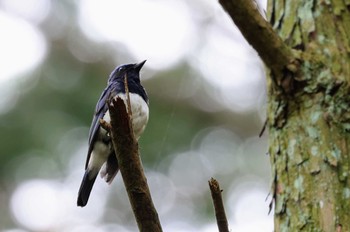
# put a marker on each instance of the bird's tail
(86, 187)
(110, 168)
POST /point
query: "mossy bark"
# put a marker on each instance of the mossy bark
(309, 123)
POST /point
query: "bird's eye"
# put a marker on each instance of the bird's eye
(121, 69)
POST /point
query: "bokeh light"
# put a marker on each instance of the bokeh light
(22, 46)
(37, 205)
(155, 30)
(248, 206)
(35, 11)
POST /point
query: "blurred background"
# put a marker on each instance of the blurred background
(207, 106)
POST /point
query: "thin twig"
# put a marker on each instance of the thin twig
(130, 166)
(263, 129)
(127, 96)
(260, 34)
(218, 205)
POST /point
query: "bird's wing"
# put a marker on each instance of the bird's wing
(101, 109)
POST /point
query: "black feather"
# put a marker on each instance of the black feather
(86, 187)
(112, 167)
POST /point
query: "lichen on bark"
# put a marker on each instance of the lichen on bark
(309, 126)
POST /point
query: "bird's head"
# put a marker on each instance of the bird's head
(131, 70)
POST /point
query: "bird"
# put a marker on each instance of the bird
(101, 154)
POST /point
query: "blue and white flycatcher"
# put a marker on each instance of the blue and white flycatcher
(101, 154)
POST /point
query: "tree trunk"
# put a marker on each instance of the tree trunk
(309, 122)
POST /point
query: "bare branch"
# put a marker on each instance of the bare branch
(127, 96)
(130, 166)
(260, 34)
(218, 205)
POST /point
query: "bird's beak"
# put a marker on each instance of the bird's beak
(138, 66)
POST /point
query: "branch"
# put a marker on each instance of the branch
(218, 205)
(261, 36)
(128, 98)
(130, 166)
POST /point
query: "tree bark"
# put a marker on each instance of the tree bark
(309, 127)
(308, 111)
(127, 154)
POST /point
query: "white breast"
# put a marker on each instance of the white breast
(140, 111)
